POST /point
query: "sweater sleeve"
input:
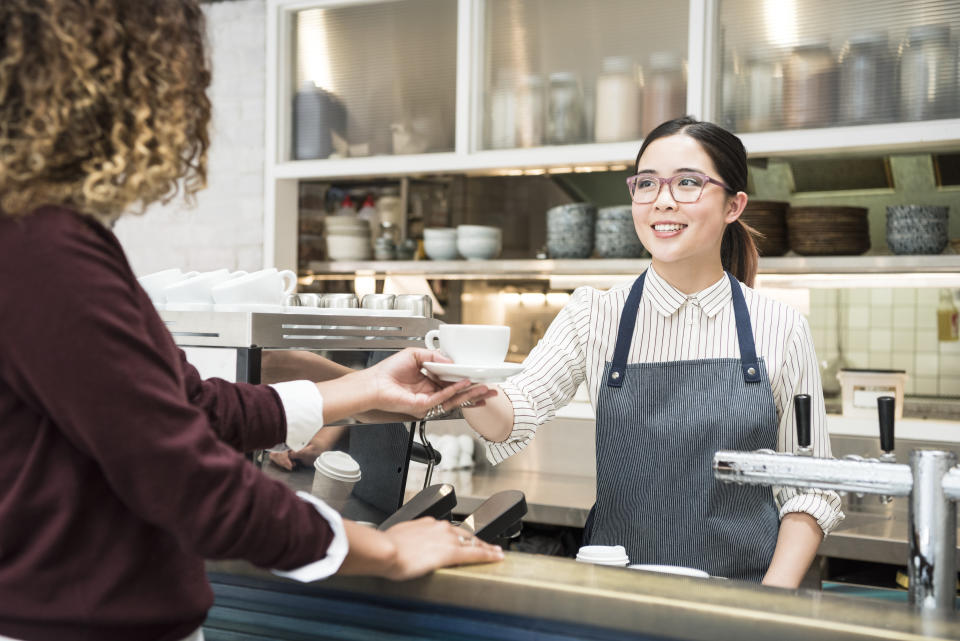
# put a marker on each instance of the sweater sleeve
(246, 417)
(76, 344)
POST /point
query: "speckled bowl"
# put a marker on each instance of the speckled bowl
(570, 230)
(917, 229)
(615, 236)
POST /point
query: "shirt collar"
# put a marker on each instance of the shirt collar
(667, 299)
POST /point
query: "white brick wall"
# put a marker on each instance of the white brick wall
(225, 229)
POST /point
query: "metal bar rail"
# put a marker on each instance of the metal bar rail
(931, 480)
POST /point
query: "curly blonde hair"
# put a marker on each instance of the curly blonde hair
(103, 104)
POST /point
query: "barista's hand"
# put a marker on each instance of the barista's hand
(412, 548)
(401, 386)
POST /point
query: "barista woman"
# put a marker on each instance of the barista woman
(119, 466)
(680, 363)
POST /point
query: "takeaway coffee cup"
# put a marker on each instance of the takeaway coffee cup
(267, 286)
(335, 474)
(604, 555)
(472, 345)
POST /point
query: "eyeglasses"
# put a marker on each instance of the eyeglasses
(685, 188)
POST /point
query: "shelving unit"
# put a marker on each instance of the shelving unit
(789, 271)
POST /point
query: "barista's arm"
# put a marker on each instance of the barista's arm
(797, 544)
(493, 420)
(295, 365)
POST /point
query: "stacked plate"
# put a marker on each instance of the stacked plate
(348, 238)
(769, 217)
(828, 231)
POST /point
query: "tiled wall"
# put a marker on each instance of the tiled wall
(225, 229)
(887, 329)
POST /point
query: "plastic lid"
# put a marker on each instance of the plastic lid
(338, 465)
(663, 60)
(347, 201)
(603, 554)
(617, 64)
(368, 201)
(563, 76)
(929, 32)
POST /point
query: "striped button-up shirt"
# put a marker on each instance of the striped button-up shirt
(673, 326)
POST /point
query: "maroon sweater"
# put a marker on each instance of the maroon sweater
(119, 465)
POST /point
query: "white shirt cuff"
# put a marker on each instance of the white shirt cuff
(336, 552)
(303, 406)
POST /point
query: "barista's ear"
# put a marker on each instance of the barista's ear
(735, 206)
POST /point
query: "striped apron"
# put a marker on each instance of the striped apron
(658, 427)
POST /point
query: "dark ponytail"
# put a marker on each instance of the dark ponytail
(738, 251)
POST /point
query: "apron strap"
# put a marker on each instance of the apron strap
(628, 320)
(748, 351)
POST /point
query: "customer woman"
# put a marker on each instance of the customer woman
(682, 362)
(119, 469)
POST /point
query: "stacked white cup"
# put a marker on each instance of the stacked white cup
(195, 293)
(155, 284)
(263, 290)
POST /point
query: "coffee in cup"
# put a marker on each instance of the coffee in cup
(335, 474)
(471, 345)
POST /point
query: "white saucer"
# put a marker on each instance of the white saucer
(188, 307)
(451, 372)
(671, 569)
(247, 307)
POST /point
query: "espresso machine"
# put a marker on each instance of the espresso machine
(230, 345)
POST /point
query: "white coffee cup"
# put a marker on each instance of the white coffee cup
(335, 474)
(194, 292)
(472, 345)
(604, 555)
(155, 283)
(267, 286)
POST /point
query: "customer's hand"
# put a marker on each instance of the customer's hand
(402, 387)
(412, 548)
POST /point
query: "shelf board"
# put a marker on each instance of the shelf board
(789, 271)
(902, 136)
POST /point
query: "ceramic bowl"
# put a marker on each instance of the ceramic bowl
(348, 247)
(440, 248)
(917, 229)
(478, 248)
(616, 236)
(570, 230)
(484, 231)
(440, 233)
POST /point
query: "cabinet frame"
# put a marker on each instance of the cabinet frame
(282, 176)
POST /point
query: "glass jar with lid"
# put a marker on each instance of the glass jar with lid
(866, 80)
(617, 116)
(764, 101)
(664, 90)
(565, 119)
(503, 110)
(529, 111)
(809, 86)
(927, 74)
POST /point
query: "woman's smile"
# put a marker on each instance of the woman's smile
(667, 229)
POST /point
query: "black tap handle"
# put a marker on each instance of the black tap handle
(801, 404)
(419, 454)
(885, 408)
(496, 516)
(436, 501)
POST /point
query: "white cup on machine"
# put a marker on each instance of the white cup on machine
(155, 284)
(335, 474)
(194, 293)
(265, 287)
(471, 345)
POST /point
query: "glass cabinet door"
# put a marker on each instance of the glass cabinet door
(792, 64)
(560, 72)
(373, 79)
